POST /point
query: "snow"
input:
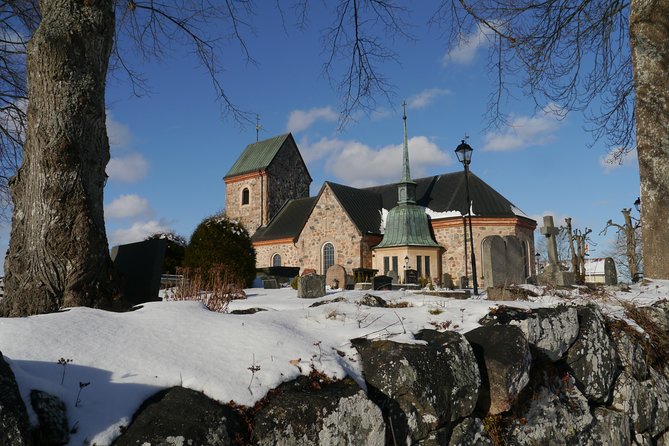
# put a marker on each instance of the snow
(447, 214)
(127, 357)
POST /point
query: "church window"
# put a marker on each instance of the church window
(328, 256)
(427, 266)
(395, 265)
(276, 260)
(245, 196)
(419, 265)
(386, 265)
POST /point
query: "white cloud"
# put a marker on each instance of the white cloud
(526, 131)
(128, 168)
(128, 206)
(301, 120)
(119, 134)
(136, 233)
(425, 97)
(468, 45)
(617, 159)
(356, 164)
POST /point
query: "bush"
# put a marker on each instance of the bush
(221, 242)
(174, 252)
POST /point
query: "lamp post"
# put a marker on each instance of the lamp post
(464, 154)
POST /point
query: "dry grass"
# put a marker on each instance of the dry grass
(655, 345)
(215, 288)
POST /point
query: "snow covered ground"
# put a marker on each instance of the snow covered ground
(126, 357)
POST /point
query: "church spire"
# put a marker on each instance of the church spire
(406, 173)
(406, 188)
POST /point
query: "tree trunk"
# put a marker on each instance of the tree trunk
(649, 32)
(58, 253)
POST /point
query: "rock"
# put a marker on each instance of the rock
(14, 424)
(631, 355)
(504, 360)
(558, 414)
(52, 415)
(370, 300)
(611, 428)
(503, 315)
(508, 293)
(646, 402)
(592, 358)
(179, 416)
(325, 302)
(307, 411)
(469, 432)
(252, 310)
(421, 388)
(551, 330)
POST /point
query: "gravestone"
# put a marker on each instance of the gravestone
(140, 266)
(393, 275)
(610, 273)
(336, 273)
(410, 276)
(270, 284)
(503, 260)
(311, 286)
(552, 274)
(447, 281)
(382, 283)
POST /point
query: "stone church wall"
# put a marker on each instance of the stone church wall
(287, 250)
(450, 234)
(287, 178)
(329, 223)
(250, 215)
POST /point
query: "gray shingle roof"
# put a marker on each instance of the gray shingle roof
(288, 222)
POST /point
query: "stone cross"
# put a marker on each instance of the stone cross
(550, 231)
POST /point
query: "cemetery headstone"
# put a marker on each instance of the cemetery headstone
(515, 261)
(336, 274)
(382, 283)
(610, 273)
(140, 266)
(410, 276)
(311, 286)
(447, 281)
(552, 274)
(393, 275)
(503, 261)
(270, 284)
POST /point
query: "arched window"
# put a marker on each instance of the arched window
(328, 256)
(276, 260)
(245, 196)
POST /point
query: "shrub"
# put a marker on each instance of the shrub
(219, 241)
(174, 252)
(293, 283)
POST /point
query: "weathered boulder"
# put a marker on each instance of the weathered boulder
(555, 415)
(592, 357)
(307, 411)
(611, 428)
(370, 300)
(421, 388)
(311, 286)
(14, 424)
(179, 416)
(469, 432)
(646, 402)
(551, 330)
(631, 355)
(52, 415)
(504, 359)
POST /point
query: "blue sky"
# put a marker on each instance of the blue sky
(171, 148)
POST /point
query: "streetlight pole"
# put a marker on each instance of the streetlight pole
(464, 154)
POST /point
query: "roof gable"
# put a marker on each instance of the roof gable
(288, 222)
(259, 155)
(362, 206)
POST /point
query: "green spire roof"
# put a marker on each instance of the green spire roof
(258, 156)
(407, 223)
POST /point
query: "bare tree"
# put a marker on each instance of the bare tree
(570, 240)
(627, 244)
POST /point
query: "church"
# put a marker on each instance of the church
(419, 224)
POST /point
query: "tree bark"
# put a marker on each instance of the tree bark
(649, 33)
(58, 253)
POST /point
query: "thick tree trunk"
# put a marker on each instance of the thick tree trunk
(58, 253)
(649, 31)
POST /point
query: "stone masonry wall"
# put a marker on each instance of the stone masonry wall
(250, 215)
(451, 237)
(288, 178)
(287, 251)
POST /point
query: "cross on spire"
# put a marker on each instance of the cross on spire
(406, 173)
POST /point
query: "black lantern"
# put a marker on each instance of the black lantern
(464, 153)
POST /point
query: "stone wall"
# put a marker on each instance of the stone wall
(450, 234)
(250, 215)
(287, 177)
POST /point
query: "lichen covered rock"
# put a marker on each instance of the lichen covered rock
(551, 330)
(13, 416)
(52, 415)
(307, 411)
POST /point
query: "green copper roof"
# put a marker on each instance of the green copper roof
(257, 156)
(407, 225)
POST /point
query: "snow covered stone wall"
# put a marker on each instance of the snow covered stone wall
(558, 376)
